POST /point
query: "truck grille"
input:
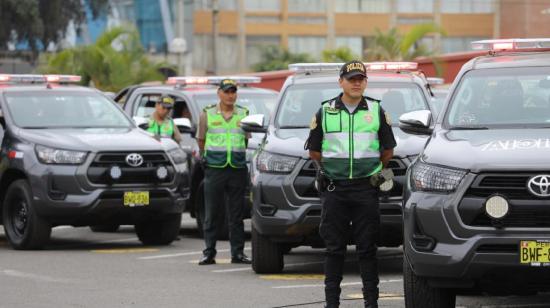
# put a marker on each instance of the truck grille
(526, 210)
(304, 182)
(99, 170)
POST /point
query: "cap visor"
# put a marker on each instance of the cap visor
(354, 74)
(225, 88)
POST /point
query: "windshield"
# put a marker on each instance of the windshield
(502, 98)
(51, 109)
(301, 102)
(256, 103)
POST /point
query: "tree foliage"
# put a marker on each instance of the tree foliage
(114, 61)
(41, 22)
(341, 54)
(276, 58)
(393, 46)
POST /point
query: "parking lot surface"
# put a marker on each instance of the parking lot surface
(80, 268)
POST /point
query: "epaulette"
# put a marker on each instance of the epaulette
(329, 100)
(242, 107)
(209, 106)
(372, 99)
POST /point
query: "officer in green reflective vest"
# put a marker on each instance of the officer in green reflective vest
(223, 143)
(160, 123)
(352, 140)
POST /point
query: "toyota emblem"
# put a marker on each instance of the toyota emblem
(539, 185)
(134, 159)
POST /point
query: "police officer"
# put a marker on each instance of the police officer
(223, 146)
(160, 123)
(352, 140)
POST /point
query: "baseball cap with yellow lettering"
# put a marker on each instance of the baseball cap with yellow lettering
(227, 84)
(352, 69)
(166, 101)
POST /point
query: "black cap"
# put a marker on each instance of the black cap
(227, 84)
(166, 101)
(352, 69)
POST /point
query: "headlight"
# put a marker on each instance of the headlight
(268, 162)
(433, 178)
(178, 156)
(56, 156)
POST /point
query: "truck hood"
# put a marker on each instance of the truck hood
(490, 150)
(291, 142)
(97, 139)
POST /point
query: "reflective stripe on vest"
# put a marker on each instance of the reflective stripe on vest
(166, 129)
(225, 142)
(350, 147)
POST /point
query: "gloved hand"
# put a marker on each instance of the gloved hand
(202, 163)
(321, 180)
(379, 178)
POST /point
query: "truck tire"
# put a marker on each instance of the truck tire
(24, 229)
(419, 294)
(223, 220)
(267, 257)
(159, 231)
(105, 228)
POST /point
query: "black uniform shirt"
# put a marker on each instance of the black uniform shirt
(385, 133)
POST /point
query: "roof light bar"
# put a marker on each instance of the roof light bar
(25, 78)
(371, 66)
(435, 81)
(63, 78)
(202, 80)
(21, 78)
(511, 44)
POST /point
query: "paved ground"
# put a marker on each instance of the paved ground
(85, 269)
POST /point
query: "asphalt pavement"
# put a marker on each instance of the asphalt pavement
(81, 268)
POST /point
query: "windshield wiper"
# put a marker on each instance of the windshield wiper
(293, 126)
(469, 128)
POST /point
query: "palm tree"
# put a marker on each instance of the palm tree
(113, 62)
(397, 47)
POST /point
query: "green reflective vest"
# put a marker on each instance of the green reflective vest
(225, 143)
(165, 129)
(350, 148)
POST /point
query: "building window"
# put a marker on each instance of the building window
(262, 5)
(312, 45)
(467, 6)
(415, 6)
(362, 6)
(354, 43)
(456, 44)
(226, 56)
(317, 20)
(224, 5)
(307, 6)
(255, 45)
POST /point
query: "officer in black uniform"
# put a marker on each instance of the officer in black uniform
(352, 141)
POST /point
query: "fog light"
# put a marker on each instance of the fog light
(115, 172)
(162, 173)
(497, 207)
(387, 186)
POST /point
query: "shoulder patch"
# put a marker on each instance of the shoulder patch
(372, 99)
(313, 124)
(388, 118)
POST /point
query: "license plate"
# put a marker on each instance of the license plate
(535, 253)
(136, 198)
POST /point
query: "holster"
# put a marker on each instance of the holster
(379, 178)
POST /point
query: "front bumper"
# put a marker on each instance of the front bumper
(283, 215)
(440, 247)
(64, 195)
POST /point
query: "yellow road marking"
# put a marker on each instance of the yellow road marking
(383, 296)
(294, 277)
(125, 250)
(218, 261)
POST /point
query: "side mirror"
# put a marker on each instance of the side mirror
(254, 124)
(141, 122)
(184, 125)
(416, 122)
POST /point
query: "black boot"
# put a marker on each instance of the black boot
(334, 267)
(371, 298)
